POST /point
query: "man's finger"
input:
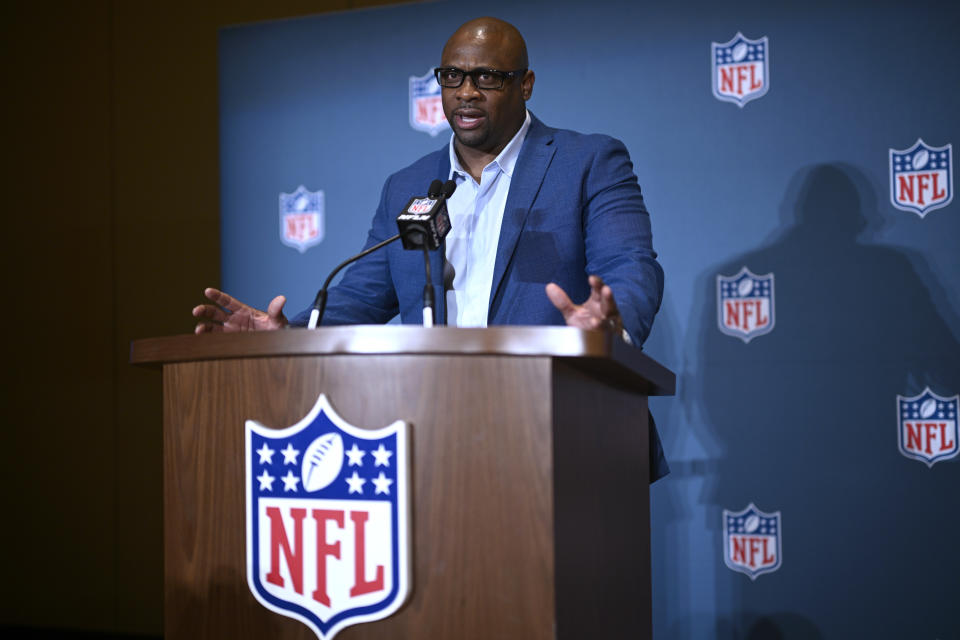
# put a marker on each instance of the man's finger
(209, 312)
(608, 306)
(560, 299)
(275, 308)
(207, 327)
(596, 290)
(224, 300)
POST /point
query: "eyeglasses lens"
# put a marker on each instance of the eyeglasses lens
(482, 78)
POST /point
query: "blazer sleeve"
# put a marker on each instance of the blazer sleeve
(618, 238)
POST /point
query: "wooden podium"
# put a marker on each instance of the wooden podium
(529, 473)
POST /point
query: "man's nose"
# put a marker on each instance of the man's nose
(468, 89)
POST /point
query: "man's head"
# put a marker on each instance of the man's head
(485, 120)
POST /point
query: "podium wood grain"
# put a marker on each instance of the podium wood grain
(529, 480)
(511, 518)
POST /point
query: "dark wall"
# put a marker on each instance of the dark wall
(112, 230)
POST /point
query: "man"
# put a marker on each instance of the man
(540, 215)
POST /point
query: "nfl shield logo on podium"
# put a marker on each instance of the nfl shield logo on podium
(327, 520)
(921, 177)
(752, 541)
(745, 306)
(928, 426)
(426, 108)
(741, 69)
(301, 218)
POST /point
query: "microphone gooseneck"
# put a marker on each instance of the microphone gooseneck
(320, 302)
(423, 224)
(428, 298)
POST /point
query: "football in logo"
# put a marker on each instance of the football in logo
(426, 108)
(301, 218)
(921, 177)
(740, 69)
(322, 462)
(328, 530)
(745, 306)
(927, 427)
(752, 541)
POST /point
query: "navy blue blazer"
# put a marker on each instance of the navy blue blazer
(574, 209)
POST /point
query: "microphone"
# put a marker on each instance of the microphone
(425, 221)
(426, 233)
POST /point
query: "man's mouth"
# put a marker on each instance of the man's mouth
(468, 119)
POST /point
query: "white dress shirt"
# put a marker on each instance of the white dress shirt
(476, 214)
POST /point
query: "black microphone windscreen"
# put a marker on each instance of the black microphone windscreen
(435, 189)
(448, 188)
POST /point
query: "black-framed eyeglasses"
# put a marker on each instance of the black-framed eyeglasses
(451, 77)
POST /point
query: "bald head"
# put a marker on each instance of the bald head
(485, 119)
(491, 34)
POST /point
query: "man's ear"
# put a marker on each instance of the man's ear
(526, 84)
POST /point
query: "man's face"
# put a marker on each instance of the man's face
(485, 119)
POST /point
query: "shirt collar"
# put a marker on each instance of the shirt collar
(506, 160)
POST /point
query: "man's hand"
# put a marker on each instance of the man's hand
(598, 312)
(229, 314)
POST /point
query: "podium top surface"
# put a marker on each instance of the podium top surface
(592, 350)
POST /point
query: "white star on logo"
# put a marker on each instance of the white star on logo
(266, 454)
(266, 480)
(290, 481)
(356, 483)
(382, 483)
(355, 456)
(290, 455)
(381, 456)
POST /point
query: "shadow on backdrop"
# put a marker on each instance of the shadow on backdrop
(804, 423)
(677, 538)
(669, 514)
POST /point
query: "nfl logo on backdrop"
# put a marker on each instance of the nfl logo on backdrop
(927, 426)
(301, 218)
(745, 306)
(921, 177)
(327, 520)
(741, 69)
(752, 541)
(426, 109)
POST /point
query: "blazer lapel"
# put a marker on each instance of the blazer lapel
(531, 167)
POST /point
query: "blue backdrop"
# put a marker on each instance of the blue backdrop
(803, 420)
